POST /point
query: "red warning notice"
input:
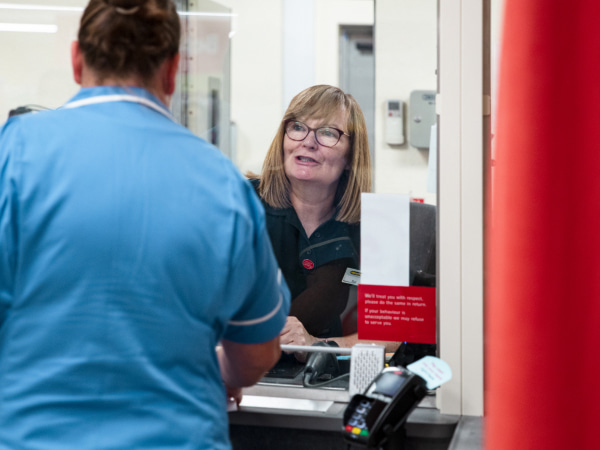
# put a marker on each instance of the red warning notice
(396, 313)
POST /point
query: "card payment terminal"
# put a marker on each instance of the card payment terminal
(384, 406)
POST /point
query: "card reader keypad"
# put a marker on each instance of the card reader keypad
(357, 423)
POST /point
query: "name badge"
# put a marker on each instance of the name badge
(352, 276)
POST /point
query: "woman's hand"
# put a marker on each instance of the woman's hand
(294, 333)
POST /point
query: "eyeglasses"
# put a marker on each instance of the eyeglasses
(326, 136)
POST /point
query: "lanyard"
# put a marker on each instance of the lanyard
(118, 98)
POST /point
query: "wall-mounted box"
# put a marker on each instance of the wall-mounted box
(421, 117)
(394, 122)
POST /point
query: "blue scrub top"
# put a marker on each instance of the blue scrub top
(128, 248)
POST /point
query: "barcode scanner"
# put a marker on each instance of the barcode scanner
(320, 364)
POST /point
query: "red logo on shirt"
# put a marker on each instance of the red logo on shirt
(308, 264)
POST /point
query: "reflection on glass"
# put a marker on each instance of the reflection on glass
(202, 99)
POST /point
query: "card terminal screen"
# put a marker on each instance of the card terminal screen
(389, 384)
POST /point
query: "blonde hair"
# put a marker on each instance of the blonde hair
(322, 102)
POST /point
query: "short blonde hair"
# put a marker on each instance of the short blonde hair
(322, 102)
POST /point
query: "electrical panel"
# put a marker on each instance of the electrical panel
(421, 117)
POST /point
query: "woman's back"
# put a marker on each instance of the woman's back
(121, 278)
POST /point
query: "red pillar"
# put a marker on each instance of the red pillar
(543, 235)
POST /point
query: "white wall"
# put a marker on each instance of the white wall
(256, 77)
(263, 80)
(405, 55)
(35, 68)
(497, 13)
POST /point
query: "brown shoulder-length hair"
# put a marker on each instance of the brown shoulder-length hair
(322, 102)
(122, 38)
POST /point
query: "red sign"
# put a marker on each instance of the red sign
(397, 313)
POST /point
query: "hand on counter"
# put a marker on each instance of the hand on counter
(294, 333)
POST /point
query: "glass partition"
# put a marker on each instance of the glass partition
(237, 73)
(202, 97)
(35, 40)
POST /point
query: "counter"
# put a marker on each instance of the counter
(280, 413)
(283, 416)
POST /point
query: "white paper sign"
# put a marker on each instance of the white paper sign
(384, 239)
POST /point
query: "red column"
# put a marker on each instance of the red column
(543, 235)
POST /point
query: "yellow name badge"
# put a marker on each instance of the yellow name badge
(352, 276)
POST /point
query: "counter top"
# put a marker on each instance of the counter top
(285, 404)
(277, 410)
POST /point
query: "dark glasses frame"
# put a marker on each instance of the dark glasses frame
(287, 122)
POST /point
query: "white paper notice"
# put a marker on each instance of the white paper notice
(384, 239)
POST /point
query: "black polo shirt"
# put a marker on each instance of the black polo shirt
(298, 255)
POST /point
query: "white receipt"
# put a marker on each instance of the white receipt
(433, 370)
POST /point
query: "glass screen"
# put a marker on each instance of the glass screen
(389, 384)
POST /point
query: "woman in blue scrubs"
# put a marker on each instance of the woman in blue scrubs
(313, 175)
(129, 250)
